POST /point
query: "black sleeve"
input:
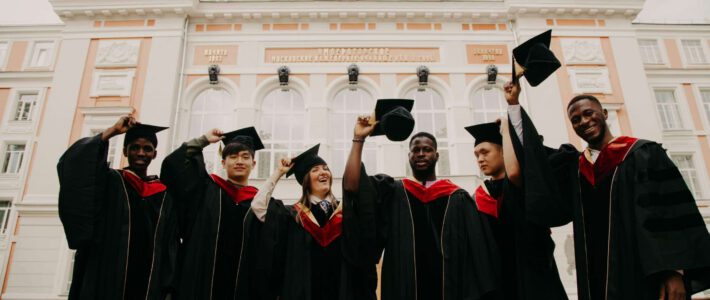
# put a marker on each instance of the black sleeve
(272, 247)
(472, 254)
(671, 232)
(82, 172)
(364, 219)
(184, 174)
(550, 179)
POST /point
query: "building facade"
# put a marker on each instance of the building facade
(59, 83)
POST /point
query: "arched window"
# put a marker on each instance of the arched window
(345, 108)
(281, 128)
(212, 109)
(430, 116)
(488, 104)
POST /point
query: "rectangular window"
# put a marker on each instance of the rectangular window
(12, 159)
(705, 95)
(4, 50)
(668, 110)
(694, 53)
(685, 165)
(26, 104)
(5, 206)
(42, 54)
(650, 52)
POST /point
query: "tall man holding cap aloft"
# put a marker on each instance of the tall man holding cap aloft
(637, 229)
(436, 244)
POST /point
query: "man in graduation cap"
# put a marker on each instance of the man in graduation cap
(436, 244)
(526, 249)
(218, 257)
(121, 222)
(637, 229)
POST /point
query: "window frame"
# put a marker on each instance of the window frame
(504, 106)
(698, 191)
(371, 145)
(23, 160)
(215, 160)
(703, 48)
(698, 90)
(4, 60)
(681, 109)
(292, 143)
(662, 55)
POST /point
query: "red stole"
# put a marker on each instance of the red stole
(144, 188)
(237, 194)
(609, 158)
(322, 235)
(486, 203)
(441, 188)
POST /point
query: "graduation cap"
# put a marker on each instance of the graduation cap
(245, 136)
(303, 163)
(393, 118)
(140, 130)
(486, 132)
(535, 59)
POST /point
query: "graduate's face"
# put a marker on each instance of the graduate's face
(238, 165)
(422, 155)
(320, 179)
(588, 120)
(140, 152)
(489, 157)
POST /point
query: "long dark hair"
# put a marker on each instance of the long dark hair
(305, 202)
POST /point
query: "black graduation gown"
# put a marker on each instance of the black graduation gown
(318, 263)
(526, 249)
(414, 236)
(653, 223)
(126, 245)
(220, 254)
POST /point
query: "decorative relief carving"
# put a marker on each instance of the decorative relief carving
(582, 51)
(112, 83)
(118, 53)
(590, 80)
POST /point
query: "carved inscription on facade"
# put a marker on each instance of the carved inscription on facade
(329, 55)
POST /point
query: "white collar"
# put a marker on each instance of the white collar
(315, 200)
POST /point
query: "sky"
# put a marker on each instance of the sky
(35, 12)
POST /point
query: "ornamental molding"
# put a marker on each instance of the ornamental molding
(117, 53)
(339, 11)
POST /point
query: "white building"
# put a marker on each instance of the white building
(59, 83)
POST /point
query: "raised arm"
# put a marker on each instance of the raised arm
(351, 178)
(82, 172)
(512, 166)
(183, 171)
(260, 204)
(548, 176)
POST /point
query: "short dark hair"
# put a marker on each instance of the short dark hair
(584, 97)
(423, 134)
(233, 148)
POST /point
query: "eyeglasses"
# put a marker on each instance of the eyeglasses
(146, 148)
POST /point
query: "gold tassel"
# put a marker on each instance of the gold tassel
(219, 150)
